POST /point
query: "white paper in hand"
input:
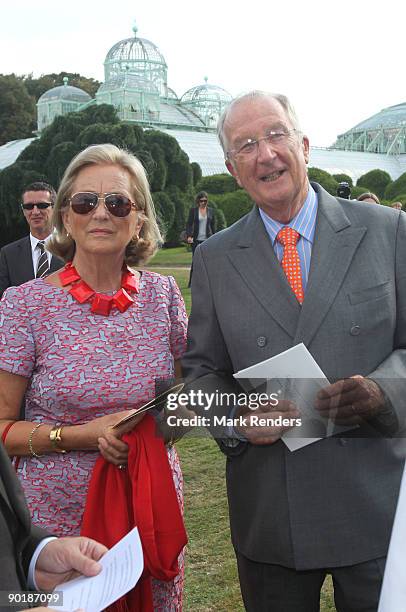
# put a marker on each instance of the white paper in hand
(296, 376)
(122, 566)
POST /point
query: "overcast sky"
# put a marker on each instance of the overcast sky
(339, 61)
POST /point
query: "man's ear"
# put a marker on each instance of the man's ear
(232, 171)
(306, 149)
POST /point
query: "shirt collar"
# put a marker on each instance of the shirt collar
(34, 241)
(304, 222)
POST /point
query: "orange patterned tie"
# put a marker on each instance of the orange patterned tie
(288, 237)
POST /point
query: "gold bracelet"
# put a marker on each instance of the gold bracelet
(55, 436)
(30, 437)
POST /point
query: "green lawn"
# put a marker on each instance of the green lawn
(179, 256)
(211, 576)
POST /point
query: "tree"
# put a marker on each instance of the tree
(217, 183)
(376, 181)
(234, 205)
(166, 165)
(324, 179)
(197, 172)
(36, 87)
(397, 188)
(17, 109)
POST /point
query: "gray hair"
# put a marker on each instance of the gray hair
(252, 95)
(140, 248)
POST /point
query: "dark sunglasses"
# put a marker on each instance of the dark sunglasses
(118, 205)
(202, 201)
(39, 205)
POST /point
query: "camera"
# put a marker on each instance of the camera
(344, 190)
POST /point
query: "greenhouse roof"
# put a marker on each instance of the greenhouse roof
(65, 92)
(393, 116)
(203, 148)
(11, 150)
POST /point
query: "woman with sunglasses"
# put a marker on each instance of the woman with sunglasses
(88, 343)
(201, 224)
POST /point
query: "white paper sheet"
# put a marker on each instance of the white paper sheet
(122, 566)
(393, 593)
(296, 376)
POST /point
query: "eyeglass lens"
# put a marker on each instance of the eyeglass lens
(40, 205)
(117, 204)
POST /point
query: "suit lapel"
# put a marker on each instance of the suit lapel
(255, 261)
(14, 495)
(24, 259)
(335, 245)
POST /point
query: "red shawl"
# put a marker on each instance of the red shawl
(143, 495)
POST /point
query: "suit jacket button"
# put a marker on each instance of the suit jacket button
(355, 330)
(261, 341)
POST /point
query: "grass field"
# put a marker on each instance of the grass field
(211, 577)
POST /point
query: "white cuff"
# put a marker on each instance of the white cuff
(31, 570)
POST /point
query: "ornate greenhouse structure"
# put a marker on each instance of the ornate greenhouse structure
(136, 84)
(384, 132)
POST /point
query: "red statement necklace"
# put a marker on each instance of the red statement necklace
(100, 304)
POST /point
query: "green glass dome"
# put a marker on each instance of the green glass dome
(137, 56)
(207, 101)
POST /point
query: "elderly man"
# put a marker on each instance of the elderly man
(304, 266)
(27, 258)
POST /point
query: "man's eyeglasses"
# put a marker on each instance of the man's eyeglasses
(249, 148)
(39, 205)
(84, 202)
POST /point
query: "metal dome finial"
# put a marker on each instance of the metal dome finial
(135, 29)
(65, 80)
(205, 79)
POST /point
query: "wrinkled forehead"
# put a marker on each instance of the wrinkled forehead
(248, 116)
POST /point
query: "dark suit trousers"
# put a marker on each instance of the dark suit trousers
(272, 588)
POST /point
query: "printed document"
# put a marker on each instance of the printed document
(294, 375)
(122, 566)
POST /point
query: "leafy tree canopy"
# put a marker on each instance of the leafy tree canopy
(17, 109)
(168, 168)
(217, 183)
(397, 188)
(324, 179)
(376, 181)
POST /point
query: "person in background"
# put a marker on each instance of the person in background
(201, 224)
(302, 267)
(396, 205)
(88, 343)
(28, 258)
(368, 196)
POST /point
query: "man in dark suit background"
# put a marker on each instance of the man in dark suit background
(27, 258)
(27, 553)
(327, 508)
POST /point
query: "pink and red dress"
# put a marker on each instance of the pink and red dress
(82, 366)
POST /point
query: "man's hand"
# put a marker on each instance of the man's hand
(262, 432)
(350, 401)
(65, 558)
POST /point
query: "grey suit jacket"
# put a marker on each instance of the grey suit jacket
(18, 539)
(331, 503)
(16, 265)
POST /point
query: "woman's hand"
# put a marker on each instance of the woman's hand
(101, 436)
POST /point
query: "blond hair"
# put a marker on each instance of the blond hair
(141, 247)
